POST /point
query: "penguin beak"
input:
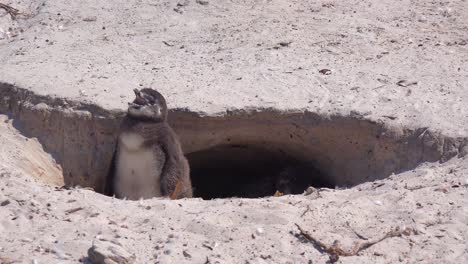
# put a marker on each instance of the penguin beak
(139, 99)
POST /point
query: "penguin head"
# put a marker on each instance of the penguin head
(149, 105)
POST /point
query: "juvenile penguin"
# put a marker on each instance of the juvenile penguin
(148, 160)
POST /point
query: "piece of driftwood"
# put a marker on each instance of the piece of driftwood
(13, 12)
(334, 251)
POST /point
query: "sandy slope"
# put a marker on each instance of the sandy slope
(256, 53)
(27, 155)
(36, 223)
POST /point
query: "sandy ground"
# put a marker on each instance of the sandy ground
(237, 54)
(45, 224)
(404, 62)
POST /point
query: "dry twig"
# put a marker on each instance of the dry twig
(334, 251)
(306, 210)
(10, 10)
(74, 210)
(355, 232)
(168, 44)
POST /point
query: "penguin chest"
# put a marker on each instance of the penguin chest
(138, 169)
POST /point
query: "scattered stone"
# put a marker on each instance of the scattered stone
(90, 19)
(179, 7)
(106, 252)
(260, 231)
(390, 117)
(210, 246)
(159, 246)
(310, 190)
(202, 2)
(441, 189)
(5, 203)
(186, 254)
(325, 71)
(377, 202)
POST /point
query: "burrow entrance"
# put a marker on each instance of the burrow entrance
(251, 171)
(239, 154)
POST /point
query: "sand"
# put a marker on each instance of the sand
(44, 224)
(403, 63)
(237, 54)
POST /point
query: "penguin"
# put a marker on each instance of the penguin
(148, 160)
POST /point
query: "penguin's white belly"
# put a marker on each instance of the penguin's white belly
(137, 169)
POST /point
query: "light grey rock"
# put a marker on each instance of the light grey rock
(105, 252)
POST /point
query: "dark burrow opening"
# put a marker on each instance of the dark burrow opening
(251, 172)
(243, 153)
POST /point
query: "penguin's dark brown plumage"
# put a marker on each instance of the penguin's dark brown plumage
(148, 160)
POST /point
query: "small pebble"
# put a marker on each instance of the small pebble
(310, 190)
(186, 254)
(4, 203)
(260, 231)
(159, 246)
(325, 71)
(105, 252)
(377, 202)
